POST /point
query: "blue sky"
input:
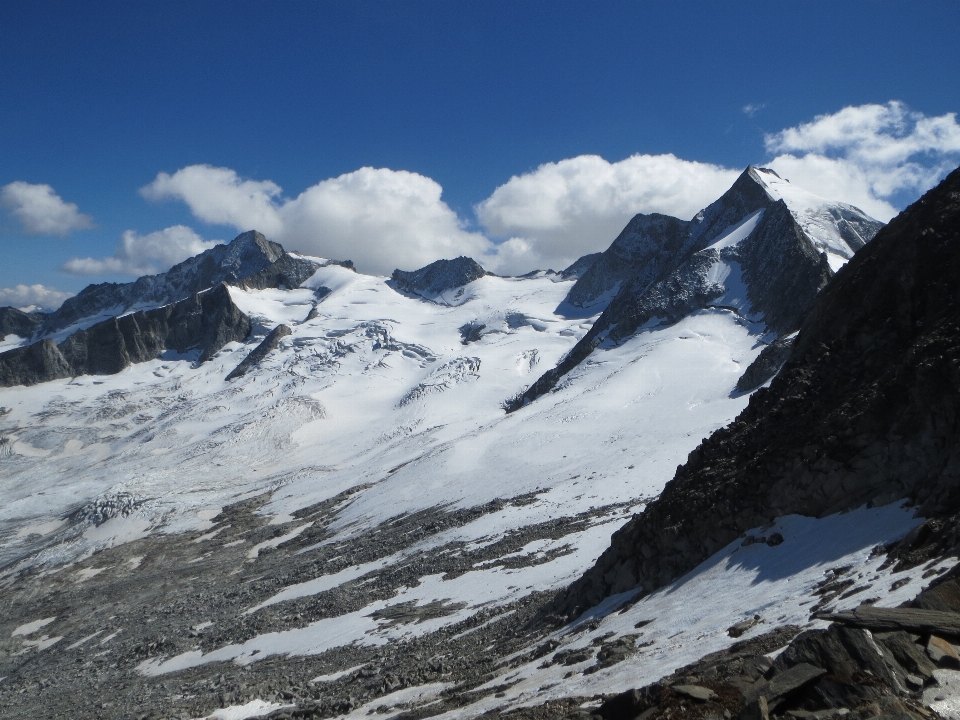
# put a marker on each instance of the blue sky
(265, 113)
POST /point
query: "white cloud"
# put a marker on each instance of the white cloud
(867, 154)
(220, 196)
(753, 108)
(32, 297)
(41, 211)
(566, 209)
(144, 254)
(379, 218)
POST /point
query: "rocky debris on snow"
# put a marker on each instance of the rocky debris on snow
(865, 411)
(767, 364)
(843, 670)
(438, 277)
(260, 352)
(772, 273)
(201, 591)
(19, 323)
(246, 255)
(579, 266)
(205, 322)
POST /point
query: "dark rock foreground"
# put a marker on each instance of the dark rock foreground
(867, 410)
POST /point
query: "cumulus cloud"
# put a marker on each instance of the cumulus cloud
(32, 297)
(41, 211)
(379, 218)
(871, 156)
(566, 209)
(220, 196)
(144, 254)
(867, 154)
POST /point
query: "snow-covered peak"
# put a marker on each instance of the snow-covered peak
(835, 228)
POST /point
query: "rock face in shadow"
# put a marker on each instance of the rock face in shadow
(767, 364)
(867, 409)
(248, 254)
(438, 276)
(648, 245)
(778, 263)
(289, 271)
(260, 352)
(33, 364)
(580, 266)
(16, 322)
(206, 321)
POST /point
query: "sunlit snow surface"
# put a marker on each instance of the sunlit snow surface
(378, 391)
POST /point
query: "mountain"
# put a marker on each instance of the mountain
(334, 516)
(763, 250)
(433, 280)
(248, 254)
(866, 410)
(16, 322)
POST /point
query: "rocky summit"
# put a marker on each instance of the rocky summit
(265, 484)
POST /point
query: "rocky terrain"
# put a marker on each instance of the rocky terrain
(751, 251)
(247, 255)
(432, 281)
(204, 323)
(865, 411)
(346, 523)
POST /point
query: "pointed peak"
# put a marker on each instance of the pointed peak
(254, 240)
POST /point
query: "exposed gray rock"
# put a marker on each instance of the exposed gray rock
(206, 322)
(16, 322)
(866, 410)
(645, 250)
(767, 363)
(33, 364)
(579, 266)
(287, 272)
(913, 619)
(779, 264)
(439, 276)
(246, 255)
(260, 352)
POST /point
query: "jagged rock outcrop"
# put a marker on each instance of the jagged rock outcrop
(205, 321)
(579, 266)
(767, 364)
(647, 246)
(16, 322)
(438, 276)
(867, 409)
(33, 364)
(260, 352)
(750, 237)
(248, 254)
(288, 271)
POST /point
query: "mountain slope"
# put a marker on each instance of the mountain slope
(746, 251)
(867, 409)
(247, 254)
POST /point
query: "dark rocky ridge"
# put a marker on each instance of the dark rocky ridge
(781, 267)
(248, 254)
(867, 409)
(580, 266)
(206, 321)
(260, 352)
(438, 276)
(645, 247)
(16, 322)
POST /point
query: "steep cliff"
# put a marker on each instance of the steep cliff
(867, 409)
